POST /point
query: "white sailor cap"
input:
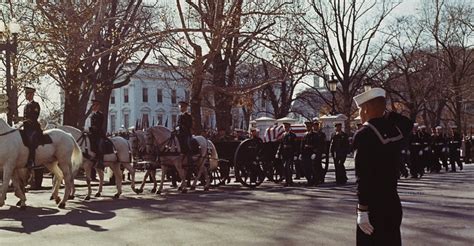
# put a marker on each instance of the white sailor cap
(439, 127)
(369, 95)
(422, 127)
(415, 124)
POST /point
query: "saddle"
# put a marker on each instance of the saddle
(194, 147)
(107, 146)
(43, 139)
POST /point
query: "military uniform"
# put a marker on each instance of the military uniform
(377, 147)
(286, 151)
(454, 143)
(32, 129)
(185, 123)
(468, 146)
(416, 153)
(309, 147)
(321, 148)
(97, 137)
(440, 151)
(340, 148)
(427, 156)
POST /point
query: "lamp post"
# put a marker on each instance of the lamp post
(332, 84)
(9, 46)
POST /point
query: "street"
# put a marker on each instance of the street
(437, 211)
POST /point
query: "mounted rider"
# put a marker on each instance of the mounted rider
(184, 130)
(31, 126)
(97, 133)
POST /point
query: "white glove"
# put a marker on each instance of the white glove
(300, 157)
(177, 128)
(444, 149)
(403, 151)
(313, 156)
(426, 148)
(295, 158)
(276, 156)
(420, 152)
(458, 149)
(364, 223)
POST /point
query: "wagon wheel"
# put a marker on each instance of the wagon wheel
(248, 165)
(220, 175)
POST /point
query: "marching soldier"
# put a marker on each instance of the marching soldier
(97, 133)
(416, 153)
(286, 151)
(426, 157)
(31, 126)
(321, 148)
(440, 149)
(468, 146)
(307, 154)
(339, 149)
(455, 149)
(377, 147)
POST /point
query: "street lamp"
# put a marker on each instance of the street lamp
(332, 83)
(367, 86)
(9, 46)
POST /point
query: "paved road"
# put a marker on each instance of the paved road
(437, 211)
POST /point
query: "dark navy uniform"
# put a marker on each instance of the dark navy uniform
(454, 143)
(321, 148)
(377, 148)
(340, 148)
(467, 147)
(286, 150)
(440, 151)
(308, 148)
(427, 157)
(185, 123)
(97, 137)
(416, 153)
(32, 129)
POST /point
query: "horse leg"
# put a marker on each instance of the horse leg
(7, 175)
(153, 179)
(182, 175)
(163, 175)
(19, 188)
(58, 177)
(206, 177)
(68, 183)
(100, 173)
(88, 169)
(118, 178)
(131, 172)
(198, 176)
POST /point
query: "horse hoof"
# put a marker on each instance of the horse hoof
(23, 207)
(97, 194)
(158, 192)
(153, 190)
(192, 188)
(180, 188)
(206, 188)
(51, 198)
(87, 198)
(71, 197)
(184, 191)
(116, 196)
(138, 191)
(57, 200)
(62, 205)
(18, 204)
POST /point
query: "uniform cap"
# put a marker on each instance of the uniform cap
(286, 123)
(338, 124)
(415, 124)
(439, 127)
(422, 127)
(183, 103)
(369, 95)
(96, 101)
(29, 89)
(308, 123)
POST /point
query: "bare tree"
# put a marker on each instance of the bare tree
(344, 32)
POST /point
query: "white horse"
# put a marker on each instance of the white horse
(158, 140)
(62, 157)
(123, 156)
(137, 141)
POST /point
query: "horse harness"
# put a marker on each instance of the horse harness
(82, 140)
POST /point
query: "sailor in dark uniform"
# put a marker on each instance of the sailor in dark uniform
(440, 149)
(97, 133)
(286, 151)
(184, 132)
(416, 153)
(339, 149)
(31, 126)
(377, 147)
(427, 157)
(308, 145)
(454, 143)
(319, 172)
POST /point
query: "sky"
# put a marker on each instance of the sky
(406, 7)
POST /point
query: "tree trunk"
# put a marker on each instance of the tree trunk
(196, 97)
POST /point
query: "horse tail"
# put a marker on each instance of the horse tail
(76, 157)
(214, 158)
